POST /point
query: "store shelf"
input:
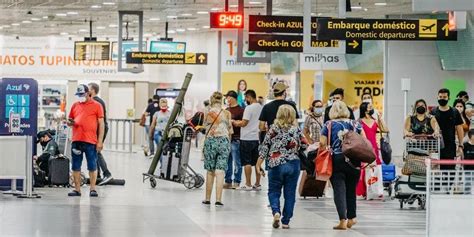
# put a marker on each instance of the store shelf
(51, 95)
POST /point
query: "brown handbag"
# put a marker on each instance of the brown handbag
(357, 147)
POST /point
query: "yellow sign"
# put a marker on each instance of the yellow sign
(428, 28)
(190, 58)
(130, 113)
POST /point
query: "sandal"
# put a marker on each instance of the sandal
(93, 193)
(219, 204)
(74, 193)
(206, 202)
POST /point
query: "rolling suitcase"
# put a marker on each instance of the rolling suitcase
(170, 166)
(313, 187)
(59, 171)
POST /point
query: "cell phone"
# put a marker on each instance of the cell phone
(70, 120)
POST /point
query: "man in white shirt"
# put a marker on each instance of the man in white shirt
(249, 141)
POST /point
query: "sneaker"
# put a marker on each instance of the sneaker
(246, 188)
(106, 180)
(227, 186)
(276, 221)
(93, 193)
(257, 187)
(236, 186)
(74, 193)
(219, 204)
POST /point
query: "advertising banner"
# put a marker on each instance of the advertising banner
(229, 55)
(384, 29)
(254, 81)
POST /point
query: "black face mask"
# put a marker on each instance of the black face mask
(421, 110)
(43, 144)
(371, 112)
(442, 102)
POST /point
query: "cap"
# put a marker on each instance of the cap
(82, 90)
(41, 134)
(279, 87)
(231, 94)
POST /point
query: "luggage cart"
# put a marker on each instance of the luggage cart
(450, 199)
(411, 188)
(185, 174)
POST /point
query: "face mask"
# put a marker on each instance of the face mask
(81, 99)
(442, 102)
(371, 112)
(318, 111)
(367, 101)
(164, 110)
(420, 110)
(43, 143)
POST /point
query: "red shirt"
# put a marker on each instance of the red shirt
(86, 116)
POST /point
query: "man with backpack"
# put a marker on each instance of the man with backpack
(450, 123)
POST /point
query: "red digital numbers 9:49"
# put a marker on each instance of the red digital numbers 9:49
(226, 20)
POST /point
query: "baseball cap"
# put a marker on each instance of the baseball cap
(231, 93)
(81, 90)
(279, 87)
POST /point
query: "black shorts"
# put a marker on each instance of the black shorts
(249, 152)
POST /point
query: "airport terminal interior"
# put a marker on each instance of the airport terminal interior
(237, 118)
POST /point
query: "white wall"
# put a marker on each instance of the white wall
(420, 62)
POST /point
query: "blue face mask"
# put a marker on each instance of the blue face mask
(318, 111)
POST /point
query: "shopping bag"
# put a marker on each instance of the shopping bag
(323, 162)
(374, 182)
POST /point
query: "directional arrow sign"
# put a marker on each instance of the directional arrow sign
(202, 58)
(353, 46)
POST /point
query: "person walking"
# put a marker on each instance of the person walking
(101, 164)
(420, 122)
(280, 149)
(461, 107)
(216, 147)
(151, 109)
(337, 95)
(370, 127)
(450, 123)
(345, 171)
(249, 139)
(86, 117)
(234, 165)
(159, 121)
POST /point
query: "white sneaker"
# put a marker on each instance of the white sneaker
(246, 188)
(257, 187)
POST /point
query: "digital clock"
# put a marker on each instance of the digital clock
(227, 20)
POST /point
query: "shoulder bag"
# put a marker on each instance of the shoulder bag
(385, 147)
(358, 148)
(323, 162)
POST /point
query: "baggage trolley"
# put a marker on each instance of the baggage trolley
(450, 199)
(411, 188)
(185, 174)
(64, 140)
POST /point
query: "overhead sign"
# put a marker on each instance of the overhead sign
(167, 47)
(167, 58)
(285, 43)
(384, 29)
(353, 46)
(226, 20)
(91, 50)
(279, 24)
(127, 46)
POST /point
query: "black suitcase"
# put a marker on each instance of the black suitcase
(59, 171)
(313, 187)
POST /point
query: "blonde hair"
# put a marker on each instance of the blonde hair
(286, 117)
(163, 100)
(339, 110)
(216, 98)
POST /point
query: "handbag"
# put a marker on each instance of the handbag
(385, 148)
(414, 165)
(142, 120)
(323, 162)
(357, 147)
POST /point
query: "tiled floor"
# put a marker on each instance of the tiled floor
(171, 210)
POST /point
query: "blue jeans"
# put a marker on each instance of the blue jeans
(234, 166)
(283, 176)
(157, 137)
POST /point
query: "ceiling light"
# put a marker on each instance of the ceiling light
(1, 28)
(72, 13)
(83, 30)
(172, 17)
(215, 9)
(100, 27)
(6, 26)
(113, 26)
(26, 22)
(35, 19)
(154, 19)
(171, 31)
(192, 29)
(202, 12)
(96, 6)
(180, 30)
(109, 3)
(380, 4)
(365, 9)
(61, 14)
(356, 7)
(206, 27)
(45, 17)
(186, 14)
(63, 33)
(15, 24)
(254, 3)
(319, 14)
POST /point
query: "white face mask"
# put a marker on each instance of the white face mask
(81, 99)
(367, 101)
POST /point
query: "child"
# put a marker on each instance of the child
(469, 149)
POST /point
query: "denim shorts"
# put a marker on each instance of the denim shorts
(77, 151)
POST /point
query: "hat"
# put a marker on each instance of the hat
(279, 87)
(41, 134)
(231, 94)
(82, 90)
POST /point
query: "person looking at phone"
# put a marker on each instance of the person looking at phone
(87, 121)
